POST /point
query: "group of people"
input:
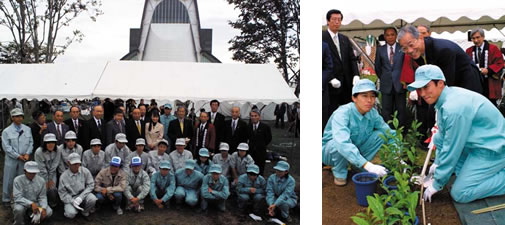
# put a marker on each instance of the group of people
(203, 166)
(459, 88)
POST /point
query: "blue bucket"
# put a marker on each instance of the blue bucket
(366, 184)
(389, 180)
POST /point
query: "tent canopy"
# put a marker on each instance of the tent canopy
(163, 81)
(442, 16)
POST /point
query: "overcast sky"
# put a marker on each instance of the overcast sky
(108, 37)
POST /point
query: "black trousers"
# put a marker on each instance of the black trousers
(392, 102)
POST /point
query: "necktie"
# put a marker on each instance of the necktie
(213, 117)
(59, 131)
(76, 126)
(391, 55)
(120, 128)
(138, 126)
(335, 41)
(181, 124)
(478, 55)
(99, 126)
(202, 127)
(233, 127)
(255, 127)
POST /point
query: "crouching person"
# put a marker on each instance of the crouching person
(163, 185)
(110, 184)
(281, 194)
(251, 189)
(75, 188)
(137, 185)
(29, 191)
(188, 184)
(214, 189)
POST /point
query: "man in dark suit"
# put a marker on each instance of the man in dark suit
(259, 137)
(76, 124)
(135, 128)
(56, 127)
(180, 128)
(95, 127)
(115, 126)
(327, 74)
(217, 119)
(459, 70)
(345, 70)
(280, 110)
(388, 66)
(235, 130)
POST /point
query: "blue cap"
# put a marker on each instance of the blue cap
(364, 85)
(282, 166)
(115, 161)
(167, 106)
(253, 169)
(189, 164)
(136, 161)
(215, 168)
(425, 74)
(165, 164)
(204, 152)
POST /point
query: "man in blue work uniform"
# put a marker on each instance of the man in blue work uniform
(352, 134)
(17, 142)
(280, 191)
(470, 140)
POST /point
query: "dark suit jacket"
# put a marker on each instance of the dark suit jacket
(35, 128)
(174, 131)
(388, 74)
(81, 134)
(258, 141)
(239, 136)
(219, 127)
(51, 128)
(111, 129)
(210, 138)
(132, 133)
(344, 68)
(459, 70)
(93, 131)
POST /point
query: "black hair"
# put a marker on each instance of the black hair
(58, 110)
(252, 174)
(356, 94)
(215, 100)
(118, 111)
(198, 161)
(390, 28)
(333, 11)
(44, 146)
(37, 114)
(436, 82)
(154, 113)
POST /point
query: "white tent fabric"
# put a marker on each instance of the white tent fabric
(442, 16)
(234, 84)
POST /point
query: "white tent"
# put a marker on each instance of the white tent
(232, 84)
(372, 17)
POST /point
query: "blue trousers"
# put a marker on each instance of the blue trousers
(116, 203)
(188, 195)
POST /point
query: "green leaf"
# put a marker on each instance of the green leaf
(393, 211)
(359, 220)
(376, 206)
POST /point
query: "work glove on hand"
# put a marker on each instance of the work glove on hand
(335, 83)
(77, 201)
(355, 80)
(379, 170)
(413, 96)
(433, 167)
(430, 191)
(36, 217)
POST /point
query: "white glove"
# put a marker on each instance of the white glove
(36, 217)
(433, 167)
(355, 80)
(379, 170)
(413, 96)
(430, 191)
(335, 83)
(77, 202)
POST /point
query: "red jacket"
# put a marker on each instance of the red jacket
(495, 64)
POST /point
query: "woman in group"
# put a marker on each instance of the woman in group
(48, 158)
(154, 131)
(203, 163)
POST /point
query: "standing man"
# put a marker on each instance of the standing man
(115, 126)
(30, 194)
(135, 128)
(235, 130)
(459, 70)
(327, 76)
(217, 119)
(180, 128)
(259, 138)
(57, 127)
(470, 140)
(280, 111)
(76, 124)
(17, 143)
(75, 188)
(345, 70)
(95, 126)
(205, 134)
(490, 62)
(165, 120)
(388, 66)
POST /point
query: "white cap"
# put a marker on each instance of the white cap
(74, 158)
(17, 112)
(70, 135)
(224, 147)
(180, 141)
(95, 141)
(140, 141)
(121, 138)
(243, 146)
(50, 137)
(31, 167)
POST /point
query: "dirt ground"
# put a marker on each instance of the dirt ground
(283, 143)
(339, 204)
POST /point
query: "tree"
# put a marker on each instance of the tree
(269, 30)
(35, 25)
